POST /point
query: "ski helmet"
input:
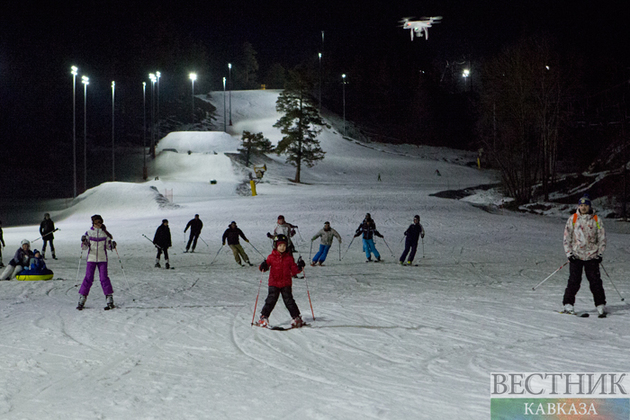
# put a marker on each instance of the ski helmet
(280, 238)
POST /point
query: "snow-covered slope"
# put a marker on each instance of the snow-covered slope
(387, 341)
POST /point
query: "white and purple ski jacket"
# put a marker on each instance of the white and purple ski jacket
(98, 245)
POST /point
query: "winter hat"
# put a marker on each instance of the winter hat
(585, 200)
(232, 223)
(281, 217)
(36, 252)
(26, 242)
(416, 217)
(164, 221)
(326, 223)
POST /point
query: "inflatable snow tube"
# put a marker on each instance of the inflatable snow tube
(27, 275)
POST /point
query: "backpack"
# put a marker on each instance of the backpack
(575, 216)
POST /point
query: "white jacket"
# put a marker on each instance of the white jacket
(584, 236)
(98, 245)
(327, 236)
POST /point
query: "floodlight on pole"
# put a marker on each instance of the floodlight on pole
(158, 75)
(144, 131)
(224, 113)
(193, 77)
(320, 78)
(113, 130)
(153, 79)
(466, 75)
(86, 81)
(74, 72)
(343, 78)
(230, 89)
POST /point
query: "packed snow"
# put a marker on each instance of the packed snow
(384, 341)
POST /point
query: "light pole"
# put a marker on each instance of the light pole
(157, 114)
(144, 131)
(86, 81)
(224, 113)
(230, 88)
(113, 125)
(153, 80)
(193, 77)
(465, 75)
(343, 78)
(320, 80)
(74, 72)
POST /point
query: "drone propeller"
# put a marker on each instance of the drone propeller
(405, 19)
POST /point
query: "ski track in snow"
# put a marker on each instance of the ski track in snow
(387, 342)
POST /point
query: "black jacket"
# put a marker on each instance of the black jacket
(47, 227)
(413, 233)
(368, 228)
(232, 236)
(195, 226)
(162, 237)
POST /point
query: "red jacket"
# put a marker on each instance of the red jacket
(282, 268)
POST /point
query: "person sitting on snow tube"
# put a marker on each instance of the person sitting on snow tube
(20, 261)
(37, 269)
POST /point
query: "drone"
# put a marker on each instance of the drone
(417, 27)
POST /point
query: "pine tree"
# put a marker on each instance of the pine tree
(300, 124)
(254, 143)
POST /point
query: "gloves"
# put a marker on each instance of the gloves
(113, 244)
(246, 241)
(223, 244)
(422, 236)
(598, 259)
(572, 258)
(301, 263)
(292, 233)
(269, 235)
(83, 238)
(263, 266)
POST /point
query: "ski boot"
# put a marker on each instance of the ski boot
(263, 321)
(81, 304)
(313, 264)
(297, 322)
(110, 302)
(157, 265)
(250, 264)
(601, 311)
(54, 256)
(168, 266)
(569, 309)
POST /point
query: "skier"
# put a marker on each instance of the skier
(584, 244)
(97, 241)
(195, 226)
(231, 234)
(413, 232)
(368, 229)
(284, 228)
(282, 268)
(327, 234)
(46, 229)
(2, 244)
(162, 240)
(19, 262)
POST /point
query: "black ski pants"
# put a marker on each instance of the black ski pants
(272, 298)
(413, 247)
(192, 239)
(159, 254)
(591, 268)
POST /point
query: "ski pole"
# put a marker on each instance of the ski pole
(204, 242)
(250, 244)
(215, 257)
(344, 255)
(308, 294)
(124, 275)
(549, 276)
(149, 239)
(390, 250)
(611, 281)
(339, 251)
(257, 294)
(422, 247)
(76, 280)
(310, 251)
(46, 234)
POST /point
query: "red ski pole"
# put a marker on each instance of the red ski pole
(549, 276)
(309, 295)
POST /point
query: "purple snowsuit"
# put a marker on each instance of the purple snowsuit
(98, 242)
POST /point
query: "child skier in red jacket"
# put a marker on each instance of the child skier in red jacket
(282, 268)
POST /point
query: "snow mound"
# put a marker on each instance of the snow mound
(198, 142)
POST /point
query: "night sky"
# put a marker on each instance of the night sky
(116, 40)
